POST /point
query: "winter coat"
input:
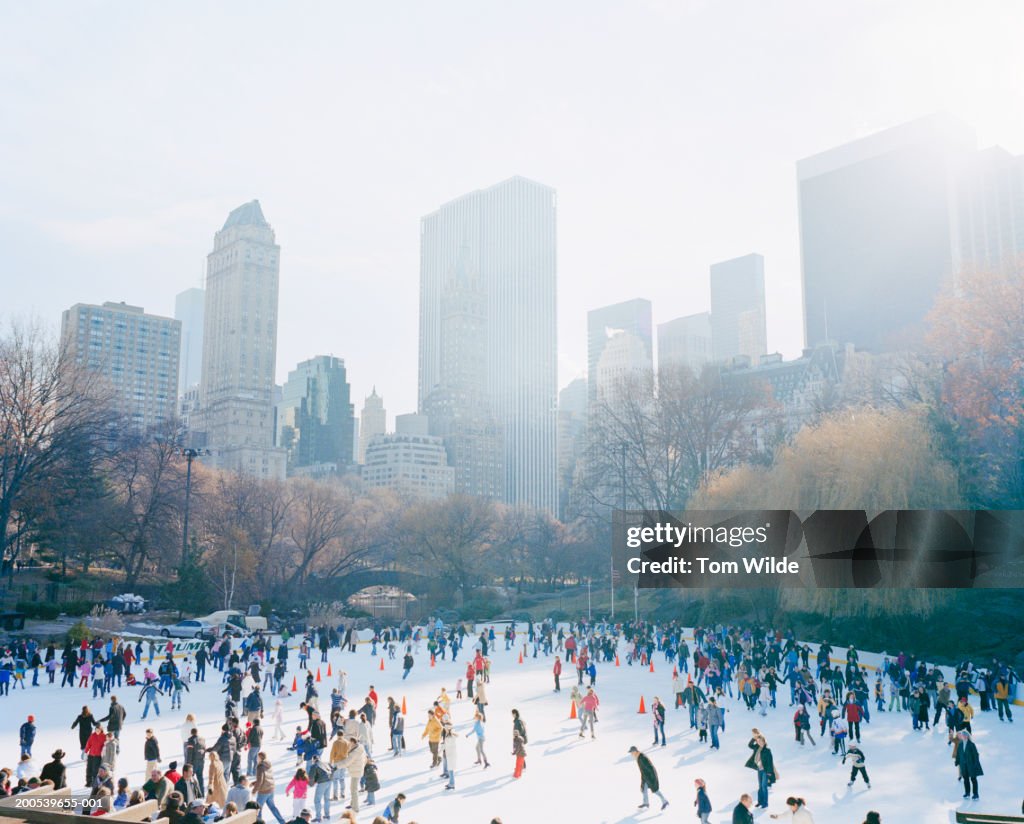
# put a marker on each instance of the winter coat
(433, 730)
(339, 749)
(355, 761)
(767, 761)
(648, 775)
(741, 815)
(195, 752)
(371, 779)
(703, 803)
(965, 757)
(224, 746)
(54, 771)
(451, 751)
(151, 750)
(264, 782)
(85, 724)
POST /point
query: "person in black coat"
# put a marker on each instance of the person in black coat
(85, 722)
(648, 778)
(965, 757)
(54, 771)
(742, 814)
(761, 760)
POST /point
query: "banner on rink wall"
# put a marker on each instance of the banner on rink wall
(902, 549)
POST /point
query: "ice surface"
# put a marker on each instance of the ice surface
(567, 779)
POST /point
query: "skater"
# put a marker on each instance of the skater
(519, 751)
(151, 751)
(557, 670)
(965, 758)
(432, 732)
(648, 779)
(857, 755)
(27, 736)
(478, 731)
(762, 761)
(263, 787)
(448, 742)
(741, 812)
(85, 722)
(588, 711)
(798, 812)
(702, 802)
(802, 725)
(658, 719)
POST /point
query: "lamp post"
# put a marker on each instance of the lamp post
(189, 455)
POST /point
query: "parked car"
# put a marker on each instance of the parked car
(189, 628)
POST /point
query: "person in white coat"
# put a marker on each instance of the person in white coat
(448, 744)
(278, 718)
(797, 813)
(355, 763)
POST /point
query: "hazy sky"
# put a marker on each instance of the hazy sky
(670, 130)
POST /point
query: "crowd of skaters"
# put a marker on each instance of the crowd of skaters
(750, 666)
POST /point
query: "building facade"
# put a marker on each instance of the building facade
(373, 421)
(188, 308)
(240, 346)
(619, 341)
(409, 461)
(505, 237)
(315, 417)
(135, 353)
(685, 341)
(572, 429)
(738, 325)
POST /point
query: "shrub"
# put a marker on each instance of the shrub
(78, 633)
(42, 610)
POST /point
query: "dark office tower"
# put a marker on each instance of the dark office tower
(737, 309)
(315, 417)
(877, 231)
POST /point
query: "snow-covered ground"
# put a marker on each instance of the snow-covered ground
(568, 778)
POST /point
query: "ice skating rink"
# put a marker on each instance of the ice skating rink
(567, 778)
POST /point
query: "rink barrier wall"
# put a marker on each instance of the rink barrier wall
(987, 818)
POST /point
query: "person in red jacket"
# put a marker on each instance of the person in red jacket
(854, 715)
(94, 753)
(557, 670)
(470, 674)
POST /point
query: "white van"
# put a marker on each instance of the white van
(236, 621)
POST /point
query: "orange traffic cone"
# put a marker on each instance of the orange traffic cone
(675, 672)
(574, 657)
(616, 659)
(295, 684)
(382, 665)
(642, 709)
(318, 675)
(403, 705)
(432, 660)
(520, 658)
(572, 712)
(328, 670)
(652, 665)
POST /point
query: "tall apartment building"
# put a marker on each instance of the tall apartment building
(240, 346)
(410, 461)
(738, 325)
(135, 353)
(505, 237)
(315, 417)
(685, 341)
(188, 308)
(619, 342)
(373, 420)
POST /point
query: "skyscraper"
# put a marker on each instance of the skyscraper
(188, 308)
(136, 353)
(877, 229)
(619, 341)
(989, 211)
(572, 425)
(737, 308)
(409, 461)
(458, 408)
(373, 420)
(240, 346)
(315, 417)
(505, 236)
(685, 341)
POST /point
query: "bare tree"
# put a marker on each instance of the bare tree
(49, 408)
